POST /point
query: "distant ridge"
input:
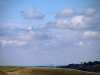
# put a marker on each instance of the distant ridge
(84, 66)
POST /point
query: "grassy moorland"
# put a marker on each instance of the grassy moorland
(14, 70)
(6, 69)
(9, 68)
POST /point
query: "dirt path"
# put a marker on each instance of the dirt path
(17, 72)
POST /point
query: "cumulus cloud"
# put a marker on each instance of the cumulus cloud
(20, 43)
(90, 12)
(1, 31)
(79, 43)
(24, 36)
(65, 13)
(74, 23)
(35, 35)
(25, 33)
(29, 28)
(91, 34)
(77, 22)
(31, 13)
(14, 42)
(91, 20)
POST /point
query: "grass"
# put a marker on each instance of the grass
(15, 70)
(9, 68)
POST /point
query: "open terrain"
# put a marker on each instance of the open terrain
(17, 70)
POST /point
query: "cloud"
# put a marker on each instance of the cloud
(14, 42)
(81, 43)
(34, 34)
(65, 13)
(31, 14)
(76, 23)
(91, 34)
(1, 31)
(29, 28)
(26, 33)
(91, 20)
(20, 43)
(90, 12)
(24, 36)
(42, 36)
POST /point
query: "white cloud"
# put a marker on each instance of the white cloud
(29, 28)
(34, 34)
(75, 23)
(90, 12)
(80, 43)
(91, 21)
(20, 43)
(24, 36)
(62, 23)
(91, 34)
(65, 13)
(14, 42)
(31, 13)
(4, 42)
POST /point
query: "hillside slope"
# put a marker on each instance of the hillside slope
(47, 71)
(85, 66)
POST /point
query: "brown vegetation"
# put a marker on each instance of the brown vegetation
(45, 71)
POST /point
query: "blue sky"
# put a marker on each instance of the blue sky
(44, 32)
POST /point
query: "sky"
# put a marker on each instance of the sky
(45, 32)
